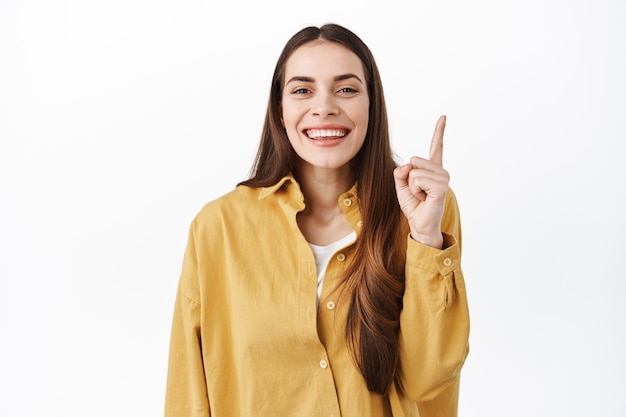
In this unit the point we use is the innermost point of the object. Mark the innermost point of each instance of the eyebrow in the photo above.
(336, 78)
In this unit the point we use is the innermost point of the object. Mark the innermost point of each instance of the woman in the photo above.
(329, 282)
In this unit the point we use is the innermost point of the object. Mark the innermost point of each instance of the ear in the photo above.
(280, 113)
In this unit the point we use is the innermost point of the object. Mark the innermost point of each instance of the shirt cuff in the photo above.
(441, 261)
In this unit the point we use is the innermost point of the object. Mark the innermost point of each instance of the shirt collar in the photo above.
(267, 191)
(351, 192)
(289, 179)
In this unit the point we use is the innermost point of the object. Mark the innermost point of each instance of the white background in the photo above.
(119, 119)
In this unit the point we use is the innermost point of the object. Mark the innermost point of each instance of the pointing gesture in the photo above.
(421, 186)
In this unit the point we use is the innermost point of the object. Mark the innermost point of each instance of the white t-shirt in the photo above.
(323, 255)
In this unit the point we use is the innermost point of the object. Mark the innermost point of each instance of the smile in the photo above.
(326, 133)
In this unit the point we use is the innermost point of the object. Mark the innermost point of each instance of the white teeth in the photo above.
(324, 133)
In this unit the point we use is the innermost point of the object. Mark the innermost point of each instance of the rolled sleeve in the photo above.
(434, 323)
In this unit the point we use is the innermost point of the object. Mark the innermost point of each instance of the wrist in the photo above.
(432, 240)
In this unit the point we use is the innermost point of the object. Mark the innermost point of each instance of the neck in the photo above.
(322, 187)
(322, 220)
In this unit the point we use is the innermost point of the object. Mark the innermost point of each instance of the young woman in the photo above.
(328, 283)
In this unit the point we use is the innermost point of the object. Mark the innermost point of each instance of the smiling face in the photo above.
(325, 104)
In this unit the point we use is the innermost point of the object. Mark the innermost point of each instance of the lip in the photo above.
(326, 134)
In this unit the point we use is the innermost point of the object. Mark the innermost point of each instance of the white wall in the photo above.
(120, 119)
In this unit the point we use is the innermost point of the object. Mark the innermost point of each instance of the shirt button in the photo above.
(447, 262)
(323, 364)
(347, 202)
(341, 257)
(330, 305)
(359, 223)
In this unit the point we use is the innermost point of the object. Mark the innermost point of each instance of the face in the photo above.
(325, 104)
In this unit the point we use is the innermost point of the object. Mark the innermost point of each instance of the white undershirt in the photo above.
(323, 255)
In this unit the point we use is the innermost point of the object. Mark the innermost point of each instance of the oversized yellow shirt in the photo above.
(248, 341)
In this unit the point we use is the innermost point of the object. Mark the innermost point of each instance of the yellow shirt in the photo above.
(248, 341)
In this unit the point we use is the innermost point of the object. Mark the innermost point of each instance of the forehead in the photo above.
(321, 58)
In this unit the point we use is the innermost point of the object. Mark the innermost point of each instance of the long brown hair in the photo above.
(375, 279)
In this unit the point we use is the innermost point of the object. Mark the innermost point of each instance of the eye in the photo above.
(301, 91)
(347, 90)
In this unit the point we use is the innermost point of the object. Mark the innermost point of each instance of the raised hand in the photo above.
(421, 187)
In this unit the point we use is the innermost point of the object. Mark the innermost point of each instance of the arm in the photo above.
(186, 393)
(434, 323)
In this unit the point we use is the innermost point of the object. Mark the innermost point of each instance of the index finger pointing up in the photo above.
(436, 145)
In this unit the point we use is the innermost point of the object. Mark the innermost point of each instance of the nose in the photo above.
(325, 105)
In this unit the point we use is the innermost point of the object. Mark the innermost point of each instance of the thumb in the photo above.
(401, 176)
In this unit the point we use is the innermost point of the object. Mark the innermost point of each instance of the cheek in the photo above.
(287, 117)
(366, 118)
(291, 127)
(291, 122)
(360, 112)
